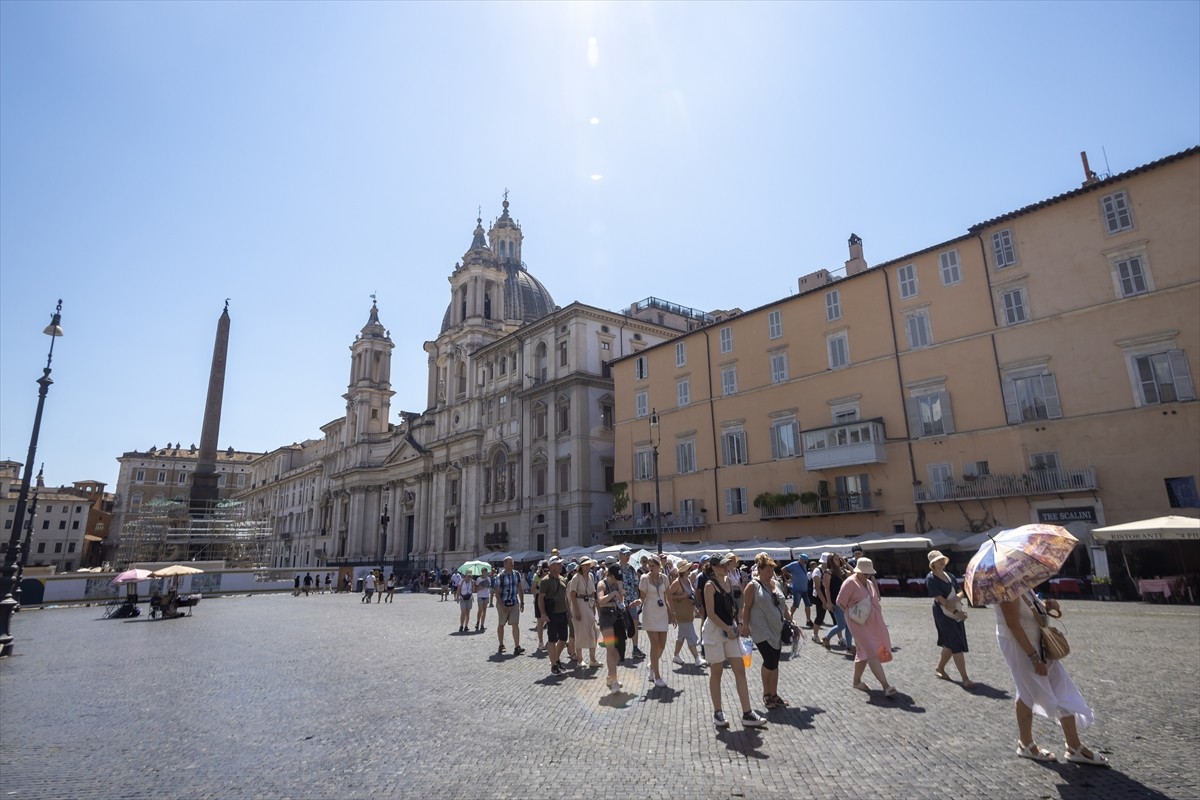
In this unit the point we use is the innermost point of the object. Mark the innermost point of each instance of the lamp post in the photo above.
(384, 519)
(8, 579)
(31, 515)
(655, 441)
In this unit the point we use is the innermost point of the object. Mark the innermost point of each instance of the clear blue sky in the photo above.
(157, 158)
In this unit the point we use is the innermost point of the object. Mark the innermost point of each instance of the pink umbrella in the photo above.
(132, 576)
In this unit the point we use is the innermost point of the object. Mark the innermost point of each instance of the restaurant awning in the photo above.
(1168, 528)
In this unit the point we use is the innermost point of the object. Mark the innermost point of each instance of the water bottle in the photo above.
(747, 649)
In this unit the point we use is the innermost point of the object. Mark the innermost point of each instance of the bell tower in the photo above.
(369, 395)
(505, 236)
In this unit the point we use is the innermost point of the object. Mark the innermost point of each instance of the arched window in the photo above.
(500, 477)
(487, 306)
(460, 378)
(539, 478)
(539, 362)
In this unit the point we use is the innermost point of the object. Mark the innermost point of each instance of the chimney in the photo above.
(814, 279)
(856, 262)
(1089, 177)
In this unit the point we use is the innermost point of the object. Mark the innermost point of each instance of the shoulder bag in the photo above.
(1054, 645)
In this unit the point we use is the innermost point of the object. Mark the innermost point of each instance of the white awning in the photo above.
(1169, 528)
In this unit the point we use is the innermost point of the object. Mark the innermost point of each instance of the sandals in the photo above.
(774, 701)
(862, 687)
(828, 646)
(941, 674)
(1085, 755)
(1032, 751)
(890, 691)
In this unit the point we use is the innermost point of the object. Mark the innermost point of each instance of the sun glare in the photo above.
(593, 52)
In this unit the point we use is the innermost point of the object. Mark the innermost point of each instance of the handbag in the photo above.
(860, 612)
(787, 634)
(1054, 644)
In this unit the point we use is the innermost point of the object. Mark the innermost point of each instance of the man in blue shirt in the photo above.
(798, 570)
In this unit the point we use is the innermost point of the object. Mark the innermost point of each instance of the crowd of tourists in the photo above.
(722, 609)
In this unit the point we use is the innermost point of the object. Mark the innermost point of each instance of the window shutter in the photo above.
(725, 449)
(728, 501)
(1011, 409)
(915, 429)
(1050, 389)
(947, 413)
(1184, 388)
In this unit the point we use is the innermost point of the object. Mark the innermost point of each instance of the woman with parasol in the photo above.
(1004, 572)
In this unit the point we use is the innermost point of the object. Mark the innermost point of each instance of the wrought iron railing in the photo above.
(1034, 482)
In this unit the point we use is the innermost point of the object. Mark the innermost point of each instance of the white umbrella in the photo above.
(175, 570)
(1171, 527)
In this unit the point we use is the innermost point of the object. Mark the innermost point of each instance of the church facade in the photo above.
(514, 450)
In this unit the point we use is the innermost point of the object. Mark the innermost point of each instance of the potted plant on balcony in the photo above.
(766, 501)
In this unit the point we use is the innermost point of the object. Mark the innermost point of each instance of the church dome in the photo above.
(525, 298)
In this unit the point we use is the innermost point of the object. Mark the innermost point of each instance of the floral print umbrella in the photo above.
(1014, 561)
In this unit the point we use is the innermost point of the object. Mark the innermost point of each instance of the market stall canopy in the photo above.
(972, 542)
(749, 550)
(1169, 528)
(897, 543)
(941, 537)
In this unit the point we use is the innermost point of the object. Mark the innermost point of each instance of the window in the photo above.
(733, 447)
(562, 414)
(71, 547)
(41, 547)
(735, 501)
(643, 465)
(916, 325)
(833, 305)
(564, 523)
(852, 492)
(976, 469)
(929, 414)
(1130, 276)
(181, 477)
(1181, 492)
(775, 324)
(683, 392)
(1016, 310)
(503, 406)
(539, 420)
(785, 436)
(844, 413)
(951, 272)
(562, 354)
(1164, 377)
(727, 339)
(1044, 461)
(75, 525)
(728, 380)
(680, 354)
(139, 476)
(1004, 252)
(1029, 397)
(539, 479)
(45, 526)
(503, 365)
(685, 457)
(906, 278)
(62, 524)
(564, 475)
(641, 369)
(641, 404)
(606, 415)
(941, 479)
(1117, 216)
(839, 350)
(779, 367)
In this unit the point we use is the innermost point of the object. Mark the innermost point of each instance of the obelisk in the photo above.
(204, 481)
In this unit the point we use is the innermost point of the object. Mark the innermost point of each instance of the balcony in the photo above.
(845, 445)
(495, 540)
(1026, 484)
(850, 503)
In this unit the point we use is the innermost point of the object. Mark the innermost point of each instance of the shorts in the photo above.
(716, 646)
(556, 627)
(369, 592)
(508, 615)
(483, 601)
(464, 603)
(686, 631)
(609, 618)
(798, 596)
(770, 655)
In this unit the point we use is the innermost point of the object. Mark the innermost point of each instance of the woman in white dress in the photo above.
(657, 615)
(581, 594)
(1043, 687)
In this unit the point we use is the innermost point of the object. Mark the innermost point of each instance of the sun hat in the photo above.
(583, 562)
(865, 567)
(936, 556)
(555, 560)
(728, 558)
(825, 557)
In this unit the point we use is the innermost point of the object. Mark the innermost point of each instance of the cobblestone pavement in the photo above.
(322, 697)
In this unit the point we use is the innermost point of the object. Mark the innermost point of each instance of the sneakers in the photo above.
(555, 668)
(701, 662)
(752, 719)
(719, 720)
(660, 683)
(637, 653)
(613, 687)
(500, 649)
(518, 650)
(679, 660)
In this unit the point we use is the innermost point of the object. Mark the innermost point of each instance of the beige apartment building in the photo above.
(1037, 368)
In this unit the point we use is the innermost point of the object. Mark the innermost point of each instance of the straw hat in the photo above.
(865, 567)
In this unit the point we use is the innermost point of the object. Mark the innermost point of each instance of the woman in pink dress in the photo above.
(870, 637)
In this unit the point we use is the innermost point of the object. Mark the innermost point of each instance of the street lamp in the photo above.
(384, 519)
(8, 578)
(655, 441)
(28, 545)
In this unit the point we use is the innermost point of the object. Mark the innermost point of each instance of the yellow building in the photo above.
(1036, 368)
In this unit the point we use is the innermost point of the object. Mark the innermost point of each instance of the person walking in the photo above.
(391, 586)
(815, 577)
(464, 592)
(764, 613)
(831, 584)
(610, 608)
(296, 586)
(368, 587)
(511, 589)
(657, 616)
(682, 596)
(797, 573)
(633, 603)
(720, 636)
(1043, 686)
(538, 614)
(307, 583)
(581, 593)
(329, 582)
(874, 644)
(552, 593)
(483, 597)
(947, 618)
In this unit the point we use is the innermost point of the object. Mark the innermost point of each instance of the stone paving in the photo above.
(321, 697)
